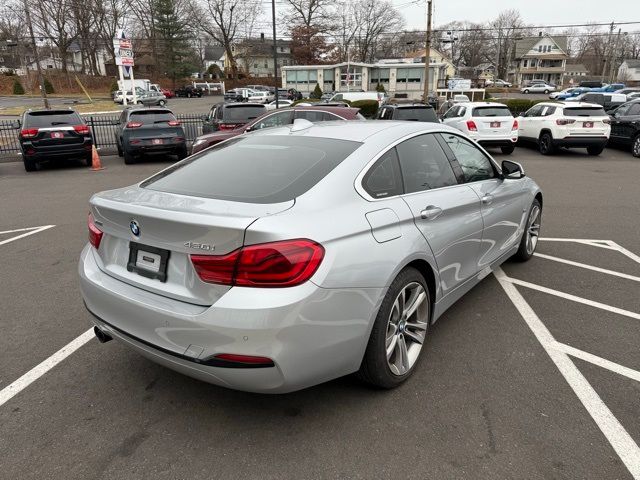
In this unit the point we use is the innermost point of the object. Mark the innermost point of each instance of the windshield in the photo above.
(255, 169)
(491, 112)
(242, 113)
(51, 118)
(149, 117)
(584, 112)
(420, 114)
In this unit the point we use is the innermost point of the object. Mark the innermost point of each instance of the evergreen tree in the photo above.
(317, 92)
(48, 88)
(173, 35)
(18, 89)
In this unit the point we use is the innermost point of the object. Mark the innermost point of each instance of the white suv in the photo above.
(489, 124)
(565, 124)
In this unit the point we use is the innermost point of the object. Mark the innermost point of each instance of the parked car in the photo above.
(53, 135)
(633, 96)
(629, 90)
(538, 88)
(325, 97)
(489, 124)
(564, 93)
(282, 103)
(293, 94)
(149, 131)
(260, 88)
(625, 126)
(120, 95)
(167, 93)
(260, 96)
(528, 83)
(418, 112)
(283, 93)
(498, 83)
(151, 99)
(609, 88)
(276, 119)
(355, 96)
(228, 116)
(573, 93)
(241, 94)
(565, 124)
(607, 100)
(456, 99)
(591, 84)
(188, 91)
(274, 273)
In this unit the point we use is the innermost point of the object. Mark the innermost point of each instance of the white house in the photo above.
(540, 58)
(629, 71)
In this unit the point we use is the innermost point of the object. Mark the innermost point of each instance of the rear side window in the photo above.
(255, 169)
(424, 164)
(149, 117)
(418, 114)
(384, 178)
(491, 112)
(51, 119)
(242, 113)
(583, 112)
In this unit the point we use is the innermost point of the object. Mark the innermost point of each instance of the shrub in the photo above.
(114, 86)
(317, 92)
(487, 95)
(518, 105)
(368, 108)
(18, 89)
(380, 88)
(48, 88)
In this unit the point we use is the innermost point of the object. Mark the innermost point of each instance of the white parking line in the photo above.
(573, 298)
(588, 267)
(39, 370)
(584, 241)
(601, 362)
(30, 231)
(624, 251)
(618, 437)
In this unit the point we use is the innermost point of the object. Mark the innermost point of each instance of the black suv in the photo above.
(53, 135)
(418, 112)
(625, 126)
(188, 91)
(227, 116)
(149, 131)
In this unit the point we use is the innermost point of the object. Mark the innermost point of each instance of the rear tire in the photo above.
(182, 153)
(508, 150)
(88, 159)
(162, 103)
(545, 144)
(129, 159)
(525, 91)
(30, 165)
(546, 92)
(635, 146)
(397, 339)
(595, 150)
(529, 239)
(120, 152)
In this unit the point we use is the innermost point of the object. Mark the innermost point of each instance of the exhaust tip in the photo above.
(101, 335)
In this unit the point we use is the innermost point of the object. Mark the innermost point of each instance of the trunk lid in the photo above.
(174, 226)
(493, 121)
(587, 121)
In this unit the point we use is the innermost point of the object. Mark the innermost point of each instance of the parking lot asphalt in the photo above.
(500, 393)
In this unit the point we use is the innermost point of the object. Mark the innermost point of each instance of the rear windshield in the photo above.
(491, 112)
(584, 112)
(242, 113)
(149, 117)
(255, 169)
(51, 119)
(420, 114)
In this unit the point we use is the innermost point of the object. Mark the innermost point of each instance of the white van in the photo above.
(355, 96)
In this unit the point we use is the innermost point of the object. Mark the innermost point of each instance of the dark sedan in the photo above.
(625, 126)
(279, 118)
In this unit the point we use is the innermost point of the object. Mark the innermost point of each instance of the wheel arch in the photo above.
(426, 270)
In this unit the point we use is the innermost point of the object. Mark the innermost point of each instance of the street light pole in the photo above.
(275, 50)
(427, 54)
(43, 92)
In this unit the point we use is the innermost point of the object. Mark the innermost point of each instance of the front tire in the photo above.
(162, 103)
(546, 92)
(545, 144)
(529, 240)
(526, 91)
(635, 147)
(398, 333)
(508, 150)
(182, 153)
(595, 150)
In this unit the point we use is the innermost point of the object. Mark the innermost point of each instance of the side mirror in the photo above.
(512, 170)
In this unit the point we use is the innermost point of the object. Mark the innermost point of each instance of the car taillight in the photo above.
(174, 123)
(134, 124)
(95, 234)
(227, 126)
(471, 126)
(515, 125)
(29, 132)
(247, 360)
(81, 129)
(278, 264)
(565, 121)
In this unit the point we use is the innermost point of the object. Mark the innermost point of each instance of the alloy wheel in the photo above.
(407, 328)
(533, 229)
(636, 147)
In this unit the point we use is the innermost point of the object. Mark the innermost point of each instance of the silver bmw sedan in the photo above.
(294, 255)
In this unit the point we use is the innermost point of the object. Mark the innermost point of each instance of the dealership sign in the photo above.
(124, 52)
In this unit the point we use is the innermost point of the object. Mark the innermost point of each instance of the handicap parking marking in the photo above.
(588, 267)
(599, 361)
(620, 440)
(28, 231)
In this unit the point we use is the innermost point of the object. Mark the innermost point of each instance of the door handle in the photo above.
(431, 212)
(487, 199)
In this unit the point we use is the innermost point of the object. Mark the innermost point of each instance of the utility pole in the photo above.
(43, 92)
(427, 54)
(275, 51)
(604, 66)
(612, 57)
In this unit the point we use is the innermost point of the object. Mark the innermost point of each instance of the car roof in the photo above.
(407, 105)
(138, 108)
(484, 104)
(355, 130)
(43, 111)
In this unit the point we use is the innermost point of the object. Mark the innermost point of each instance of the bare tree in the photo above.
(373, 18)
(316, 14)
(54, 20)
(507, 28)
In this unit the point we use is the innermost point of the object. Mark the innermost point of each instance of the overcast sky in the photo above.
(537, 12)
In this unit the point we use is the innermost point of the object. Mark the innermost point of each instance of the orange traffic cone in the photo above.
(96, 164)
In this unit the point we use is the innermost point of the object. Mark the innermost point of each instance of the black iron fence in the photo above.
(103, 128)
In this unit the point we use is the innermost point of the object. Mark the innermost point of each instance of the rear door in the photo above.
(501, 200)
(492, 121)
(447, 214)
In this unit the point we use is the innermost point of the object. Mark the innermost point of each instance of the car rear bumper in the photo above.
(57, 152)
(580, 142)
(498, 142)
(312, 334)
(165, 148)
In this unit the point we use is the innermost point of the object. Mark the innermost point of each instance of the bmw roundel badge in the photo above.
(135, 228)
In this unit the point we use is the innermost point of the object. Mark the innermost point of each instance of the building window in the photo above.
(302, 76)
(255, 65)
(351, 77)
(379, 75)
(409, 75)
(266, 65)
